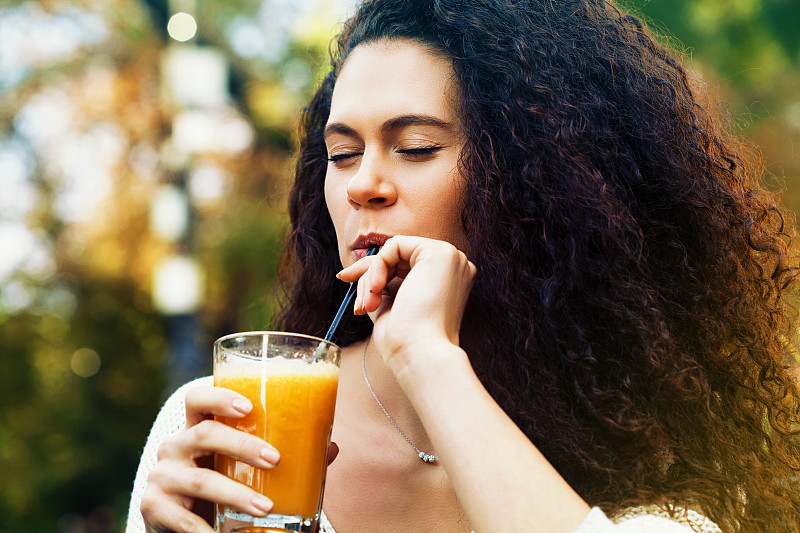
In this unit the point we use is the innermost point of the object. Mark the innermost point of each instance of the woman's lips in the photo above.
(363, 242)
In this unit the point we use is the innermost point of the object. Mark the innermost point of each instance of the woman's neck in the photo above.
(386, 398)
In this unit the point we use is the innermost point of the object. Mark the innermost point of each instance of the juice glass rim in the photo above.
(271, 332)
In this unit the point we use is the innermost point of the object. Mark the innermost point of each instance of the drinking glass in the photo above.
(291, 379)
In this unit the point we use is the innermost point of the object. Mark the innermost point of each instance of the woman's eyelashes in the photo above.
(416, 153)
(419, 152)
(336, 158)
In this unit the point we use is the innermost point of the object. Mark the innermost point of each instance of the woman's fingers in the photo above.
(372, 275)
(376, 284)
(203, 403)
(356, 270)
(333, 452)
(359, 303)
(370, 288)
(205, 484)
(176, 480)
(204, 435)
(164, 505)
(380, 275)
(417, 288)
(208, 437)
(162, 515)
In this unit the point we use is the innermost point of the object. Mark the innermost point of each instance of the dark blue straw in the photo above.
(347, 304)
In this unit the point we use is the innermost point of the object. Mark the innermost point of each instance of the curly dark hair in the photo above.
(619, 230)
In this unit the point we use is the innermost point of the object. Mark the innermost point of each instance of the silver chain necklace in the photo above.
(427, 457)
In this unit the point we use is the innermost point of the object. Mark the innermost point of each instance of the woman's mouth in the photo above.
(363, 242)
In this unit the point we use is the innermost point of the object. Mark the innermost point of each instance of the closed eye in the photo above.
(423, 151)
(341, 157)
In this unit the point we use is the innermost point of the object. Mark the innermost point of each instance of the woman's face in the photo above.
(393, 140)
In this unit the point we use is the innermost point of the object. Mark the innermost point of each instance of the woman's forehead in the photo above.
(394, 77)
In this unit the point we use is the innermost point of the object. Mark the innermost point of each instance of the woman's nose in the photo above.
(372, 185)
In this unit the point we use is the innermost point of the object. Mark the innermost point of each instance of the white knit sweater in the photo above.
(172, 419)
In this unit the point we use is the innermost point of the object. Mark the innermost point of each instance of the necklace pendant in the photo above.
(428, 458)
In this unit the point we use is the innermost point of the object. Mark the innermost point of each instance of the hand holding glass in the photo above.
(291, 380)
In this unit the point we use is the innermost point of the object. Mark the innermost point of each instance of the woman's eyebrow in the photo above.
(414, 120)
(391, 124)
(337, 127)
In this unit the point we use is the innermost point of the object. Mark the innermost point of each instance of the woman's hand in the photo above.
(415, 290)
(184, 479)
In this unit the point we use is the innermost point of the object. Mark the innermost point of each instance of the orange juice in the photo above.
(293, 407)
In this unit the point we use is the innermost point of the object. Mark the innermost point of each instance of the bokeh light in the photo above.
(85, 362)
(182, 27)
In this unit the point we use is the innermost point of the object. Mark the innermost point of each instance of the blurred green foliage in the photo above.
(66, 439)
(748, 54)
(753, 45)
(86, 354)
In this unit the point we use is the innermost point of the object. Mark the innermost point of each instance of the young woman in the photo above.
(580, 307)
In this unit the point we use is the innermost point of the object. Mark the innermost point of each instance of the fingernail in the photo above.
(262, 504)
(339, 274)
(270, 455)
(242, 405)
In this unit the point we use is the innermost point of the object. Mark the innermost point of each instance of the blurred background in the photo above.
(145, 153)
